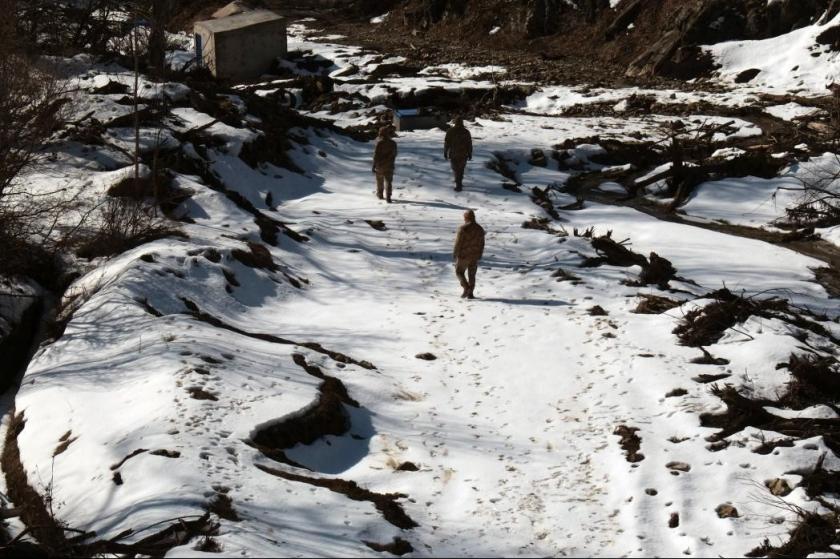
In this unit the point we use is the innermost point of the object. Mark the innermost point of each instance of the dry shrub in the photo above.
(126, 223)
(706, 326)
(32, 104)
(815, 380)
(654, 304)
(813, 533)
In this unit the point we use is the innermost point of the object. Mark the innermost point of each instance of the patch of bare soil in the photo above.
(709, 359)
(326, 416)
(654, 304)
(706, 378)
(630, 442)
(194, 311)
(257, 256)
(376, 224)
(198, 393)
(134, 453)
(386, 503)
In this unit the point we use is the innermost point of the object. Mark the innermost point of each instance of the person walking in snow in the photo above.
(457, 148)
(384, 155)
(469, 248)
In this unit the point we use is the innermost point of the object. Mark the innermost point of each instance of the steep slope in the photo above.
(644, 38)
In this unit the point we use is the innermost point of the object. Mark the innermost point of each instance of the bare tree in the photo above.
(818, 203)
(67, 25)
(30, 107)
(31, 103)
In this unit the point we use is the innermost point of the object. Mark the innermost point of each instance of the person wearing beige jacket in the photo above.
(469, 248)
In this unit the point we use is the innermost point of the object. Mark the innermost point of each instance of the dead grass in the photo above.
(126, 224)
(814, 380)
(64, 443)
(222, 506)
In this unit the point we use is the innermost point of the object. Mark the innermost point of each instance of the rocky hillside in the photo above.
(646, 37)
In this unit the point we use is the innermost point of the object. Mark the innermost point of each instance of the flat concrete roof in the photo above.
(239, 21)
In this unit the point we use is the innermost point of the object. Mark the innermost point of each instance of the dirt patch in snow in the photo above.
(257, 256)
(376, 224)
(709, 359)
(194, 311)
(386, 503)
(397, 546)
(64, 443)
(198, 393)
(222, 506)
(325, 416)
(630, 442)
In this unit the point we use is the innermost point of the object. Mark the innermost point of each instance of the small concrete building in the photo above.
(241, 46)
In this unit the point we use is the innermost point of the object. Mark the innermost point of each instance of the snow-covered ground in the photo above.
(758, 202)
(183, 352)
(793, 63)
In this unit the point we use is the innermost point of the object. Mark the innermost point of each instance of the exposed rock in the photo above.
(678, 466)
(747, 75)
(727, 511)
(674, 520)
(779, 487)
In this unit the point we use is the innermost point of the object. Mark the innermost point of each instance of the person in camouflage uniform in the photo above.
(457, 148)
(469, 248)
(384, 156)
